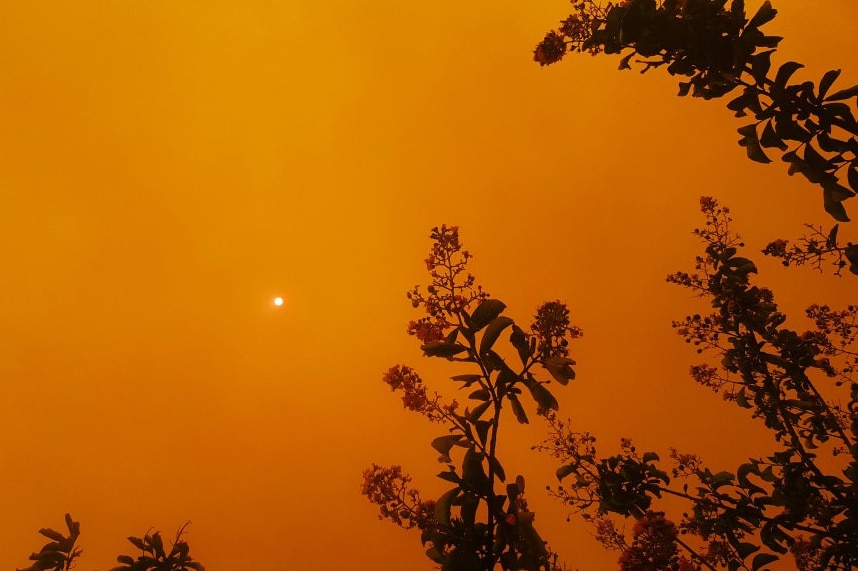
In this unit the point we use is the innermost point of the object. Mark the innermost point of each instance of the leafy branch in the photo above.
(472, 527)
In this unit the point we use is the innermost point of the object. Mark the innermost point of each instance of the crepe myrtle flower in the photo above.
(390, 489)
(415, 397)
(550, 50)
(552, 329)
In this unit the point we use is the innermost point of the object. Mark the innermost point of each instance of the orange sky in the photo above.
(167, 168)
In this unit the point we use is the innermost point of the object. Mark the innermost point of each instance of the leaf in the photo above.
(492, 332)
(478, 411)
(560, 368)
(852, 177)
(156, 542)
(816, 160)
(482, 427)
(518, 410)
(762, 559)
(833, 196)
(442, 349)
(519, 340)
(480, 394)
(785, 72)
(443, 444)
(486, 312)
(52, 534)
(624, 62)
(543, 397)
(764, 15)
(495, 464)
(505, 379)
(831, 241)
(442, 506)
(751, 143)
(684, 87)
(843, 94)
(741, 399)
(473, 472)
(467, 379)
(744, 549)
(770, 138)
(649, 457)
(470, 503)
(450, 476)
(852, 255)
(564, 471)
(826, 81)
(760, 65)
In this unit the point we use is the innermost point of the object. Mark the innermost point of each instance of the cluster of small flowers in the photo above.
(405, 379)
(698, 330)
(841, 324)
(573, 33)
(686, 464)
(552, 330)
(452, 290)
(428, 330)
(654, 545)
(691, 281)
(717, 230)
(388, 487)
(550, 50)
(779, 249)
(708, 376)
(607, 534)
(415, 397)
(566, 444)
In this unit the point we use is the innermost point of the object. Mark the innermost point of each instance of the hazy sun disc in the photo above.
(278, 301)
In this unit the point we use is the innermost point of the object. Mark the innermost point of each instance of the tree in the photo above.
(796, 506)
(720, 51)
(473, 527)
(802, 500)
(61, 552)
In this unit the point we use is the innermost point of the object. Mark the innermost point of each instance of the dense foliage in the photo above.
(798, 503)
(720, 51)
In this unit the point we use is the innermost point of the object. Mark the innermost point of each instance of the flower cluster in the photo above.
(429, 330)
(550, 50)
(606, 533)
(654, 545)
(415, 397)
(451, 291)
(552, 329)
(574, 33)
(686, 464)
(389, 488)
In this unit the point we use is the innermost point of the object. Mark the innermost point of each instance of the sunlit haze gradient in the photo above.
(168, 168)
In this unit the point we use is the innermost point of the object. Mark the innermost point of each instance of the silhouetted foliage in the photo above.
(155, 557)
(61, 552)
(721, 51)
(473, 527)
(801, 500)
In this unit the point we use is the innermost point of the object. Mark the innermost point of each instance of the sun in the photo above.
(278, 301)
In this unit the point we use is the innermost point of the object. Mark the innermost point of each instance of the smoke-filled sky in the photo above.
(168, 167)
